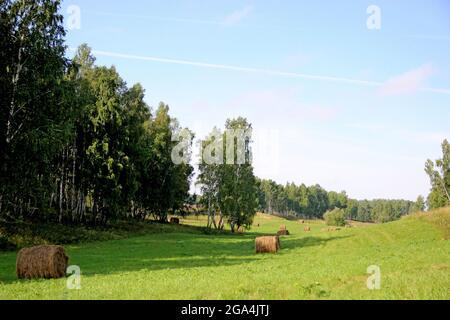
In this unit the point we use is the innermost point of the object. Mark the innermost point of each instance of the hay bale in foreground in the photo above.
(48, 262)
(283, 232)
(174, 220)
(270, 244)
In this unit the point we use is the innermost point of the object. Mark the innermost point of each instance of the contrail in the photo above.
(256, 70)
(234, 68)
(138, 16)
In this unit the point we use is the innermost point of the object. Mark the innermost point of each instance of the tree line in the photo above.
(314, 201)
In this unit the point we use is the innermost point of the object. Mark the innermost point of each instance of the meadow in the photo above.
(185, 263)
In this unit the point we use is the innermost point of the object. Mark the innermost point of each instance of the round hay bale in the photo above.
(283, 232)
(174, 220)
(283, 227)
(307, 229)
(270, 244)
(47, 262)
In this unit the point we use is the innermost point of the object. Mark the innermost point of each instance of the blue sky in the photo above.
(331, 101)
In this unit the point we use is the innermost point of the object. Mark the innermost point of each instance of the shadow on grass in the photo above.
(166, 251)
(309, 241)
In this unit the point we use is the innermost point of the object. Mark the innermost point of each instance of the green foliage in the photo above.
(302, 201)
(439, 173)
(335, 217)
(378, 210)
(15, 235)
(77, 145)
(6, 244)
(419, 205)
(228, 184)
(34, 116)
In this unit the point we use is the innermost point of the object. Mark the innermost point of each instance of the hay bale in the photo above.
(332, 229)
(270, 244)
(48, 262)
(283, 227)
(283, 232)
(307, 229)
(302, 221)
(174, 220)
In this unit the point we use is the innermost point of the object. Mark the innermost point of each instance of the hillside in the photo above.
(413, 254)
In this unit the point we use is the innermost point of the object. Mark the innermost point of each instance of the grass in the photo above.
(185, 263)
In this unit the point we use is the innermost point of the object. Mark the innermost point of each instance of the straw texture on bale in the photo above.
(47, 262)
(307, 229)
(283, 232)
(174, 220)
(270, 244)
(283, 227)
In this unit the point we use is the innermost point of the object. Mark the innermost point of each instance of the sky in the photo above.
(352, 95)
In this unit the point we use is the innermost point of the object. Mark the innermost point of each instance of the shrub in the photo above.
(335, 218)
(5, 244)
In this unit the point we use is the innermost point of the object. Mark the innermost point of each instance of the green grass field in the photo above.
(413, 254)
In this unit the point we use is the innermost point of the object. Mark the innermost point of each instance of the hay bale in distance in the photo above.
(283, 232)
(174, 220)
(332, 229)
(48, 262)
(270, 244)
(307, 229)
(283, 227)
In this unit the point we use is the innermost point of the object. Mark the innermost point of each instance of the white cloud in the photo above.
(237, 16)
(407, 82)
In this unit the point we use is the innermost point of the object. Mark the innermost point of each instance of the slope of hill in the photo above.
(413, 255)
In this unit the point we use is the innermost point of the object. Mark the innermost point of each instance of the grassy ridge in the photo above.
(413, 254)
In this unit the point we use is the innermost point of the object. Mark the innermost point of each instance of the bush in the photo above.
(335, 218)
(6, 245)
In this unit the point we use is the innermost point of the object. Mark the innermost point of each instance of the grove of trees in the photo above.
(226, 176)
(313, 202)
(77, 145)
